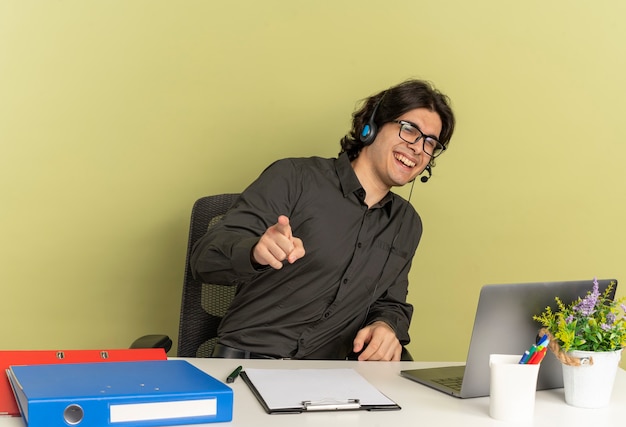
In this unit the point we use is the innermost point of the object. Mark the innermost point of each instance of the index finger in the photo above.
(283, 227)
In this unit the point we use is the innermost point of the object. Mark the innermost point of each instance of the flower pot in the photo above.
(590, 385)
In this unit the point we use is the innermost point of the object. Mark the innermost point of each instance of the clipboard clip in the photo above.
(331, 405)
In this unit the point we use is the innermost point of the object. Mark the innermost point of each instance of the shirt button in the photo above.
(359, 245)
(345, 281)
(326, 315)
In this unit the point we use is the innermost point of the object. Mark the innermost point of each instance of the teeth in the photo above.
(405, 161)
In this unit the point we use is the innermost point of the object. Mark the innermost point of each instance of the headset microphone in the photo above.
(425, 179)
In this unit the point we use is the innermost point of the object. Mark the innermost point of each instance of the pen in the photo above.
(533, 358)
(542, 355)
(533, 349)
(524, 358)
(537, 357)
(231, 378)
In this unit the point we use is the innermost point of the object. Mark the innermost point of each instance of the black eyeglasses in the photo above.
(409, 132)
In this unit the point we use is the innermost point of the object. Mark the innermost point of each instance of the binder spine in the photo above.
(94, 413)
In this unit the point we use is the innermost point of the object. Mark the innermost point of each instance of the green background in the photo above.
(116, 115)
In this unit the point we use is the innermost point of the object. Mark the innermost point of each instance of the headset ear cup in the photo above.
(368, 135)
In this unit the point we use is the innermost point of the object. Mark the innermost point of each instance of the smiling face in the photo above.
(389, 161)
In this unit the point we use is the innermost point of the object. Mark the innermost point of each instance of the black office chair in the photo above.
(203, 305)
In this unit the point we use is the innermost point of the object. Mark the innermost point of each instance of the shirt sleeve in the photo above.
(223, 255)
(393, 309)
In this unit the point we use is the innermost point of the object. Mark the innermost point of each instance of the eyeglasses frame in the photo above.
(422, 136)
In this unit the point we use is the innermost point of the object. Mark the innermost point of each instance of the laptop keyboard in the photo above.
(452, 382)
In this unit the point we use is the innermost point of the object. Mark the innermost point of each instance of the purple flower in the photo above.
(569, 319)
(606, 327)
(610, 318)
(587, 305)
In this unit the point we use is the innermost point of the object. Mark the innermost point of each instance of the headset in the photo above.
(429, 171)
(368, 134)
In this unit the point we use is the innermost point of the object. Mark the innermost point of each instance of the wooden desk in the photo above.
(420, 405)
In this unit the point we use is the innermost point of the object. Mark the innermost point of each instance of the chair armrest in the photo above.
(153, 341)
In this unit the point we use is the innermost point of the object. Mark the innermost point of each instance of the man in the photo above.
(320, 249)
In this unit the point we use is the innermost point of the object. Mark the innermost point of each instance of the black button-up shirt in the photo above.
(354, 271)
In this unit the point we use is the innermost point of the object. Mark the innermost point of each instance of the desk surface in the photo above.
(420, 405)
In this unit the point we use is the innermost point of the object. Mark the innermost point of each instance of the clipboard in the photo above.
(289, 391)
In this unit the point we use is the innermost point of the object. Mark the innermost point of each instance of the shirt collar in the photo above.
(350, 183)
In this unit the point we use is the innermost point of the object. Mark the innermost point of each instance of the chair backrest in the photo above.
(203, 304)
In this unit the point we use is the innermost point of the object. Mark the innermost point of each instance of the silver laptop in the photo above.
(504, 325)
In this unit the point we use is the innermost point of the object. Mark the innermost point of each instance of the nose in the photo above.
(416, 147)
